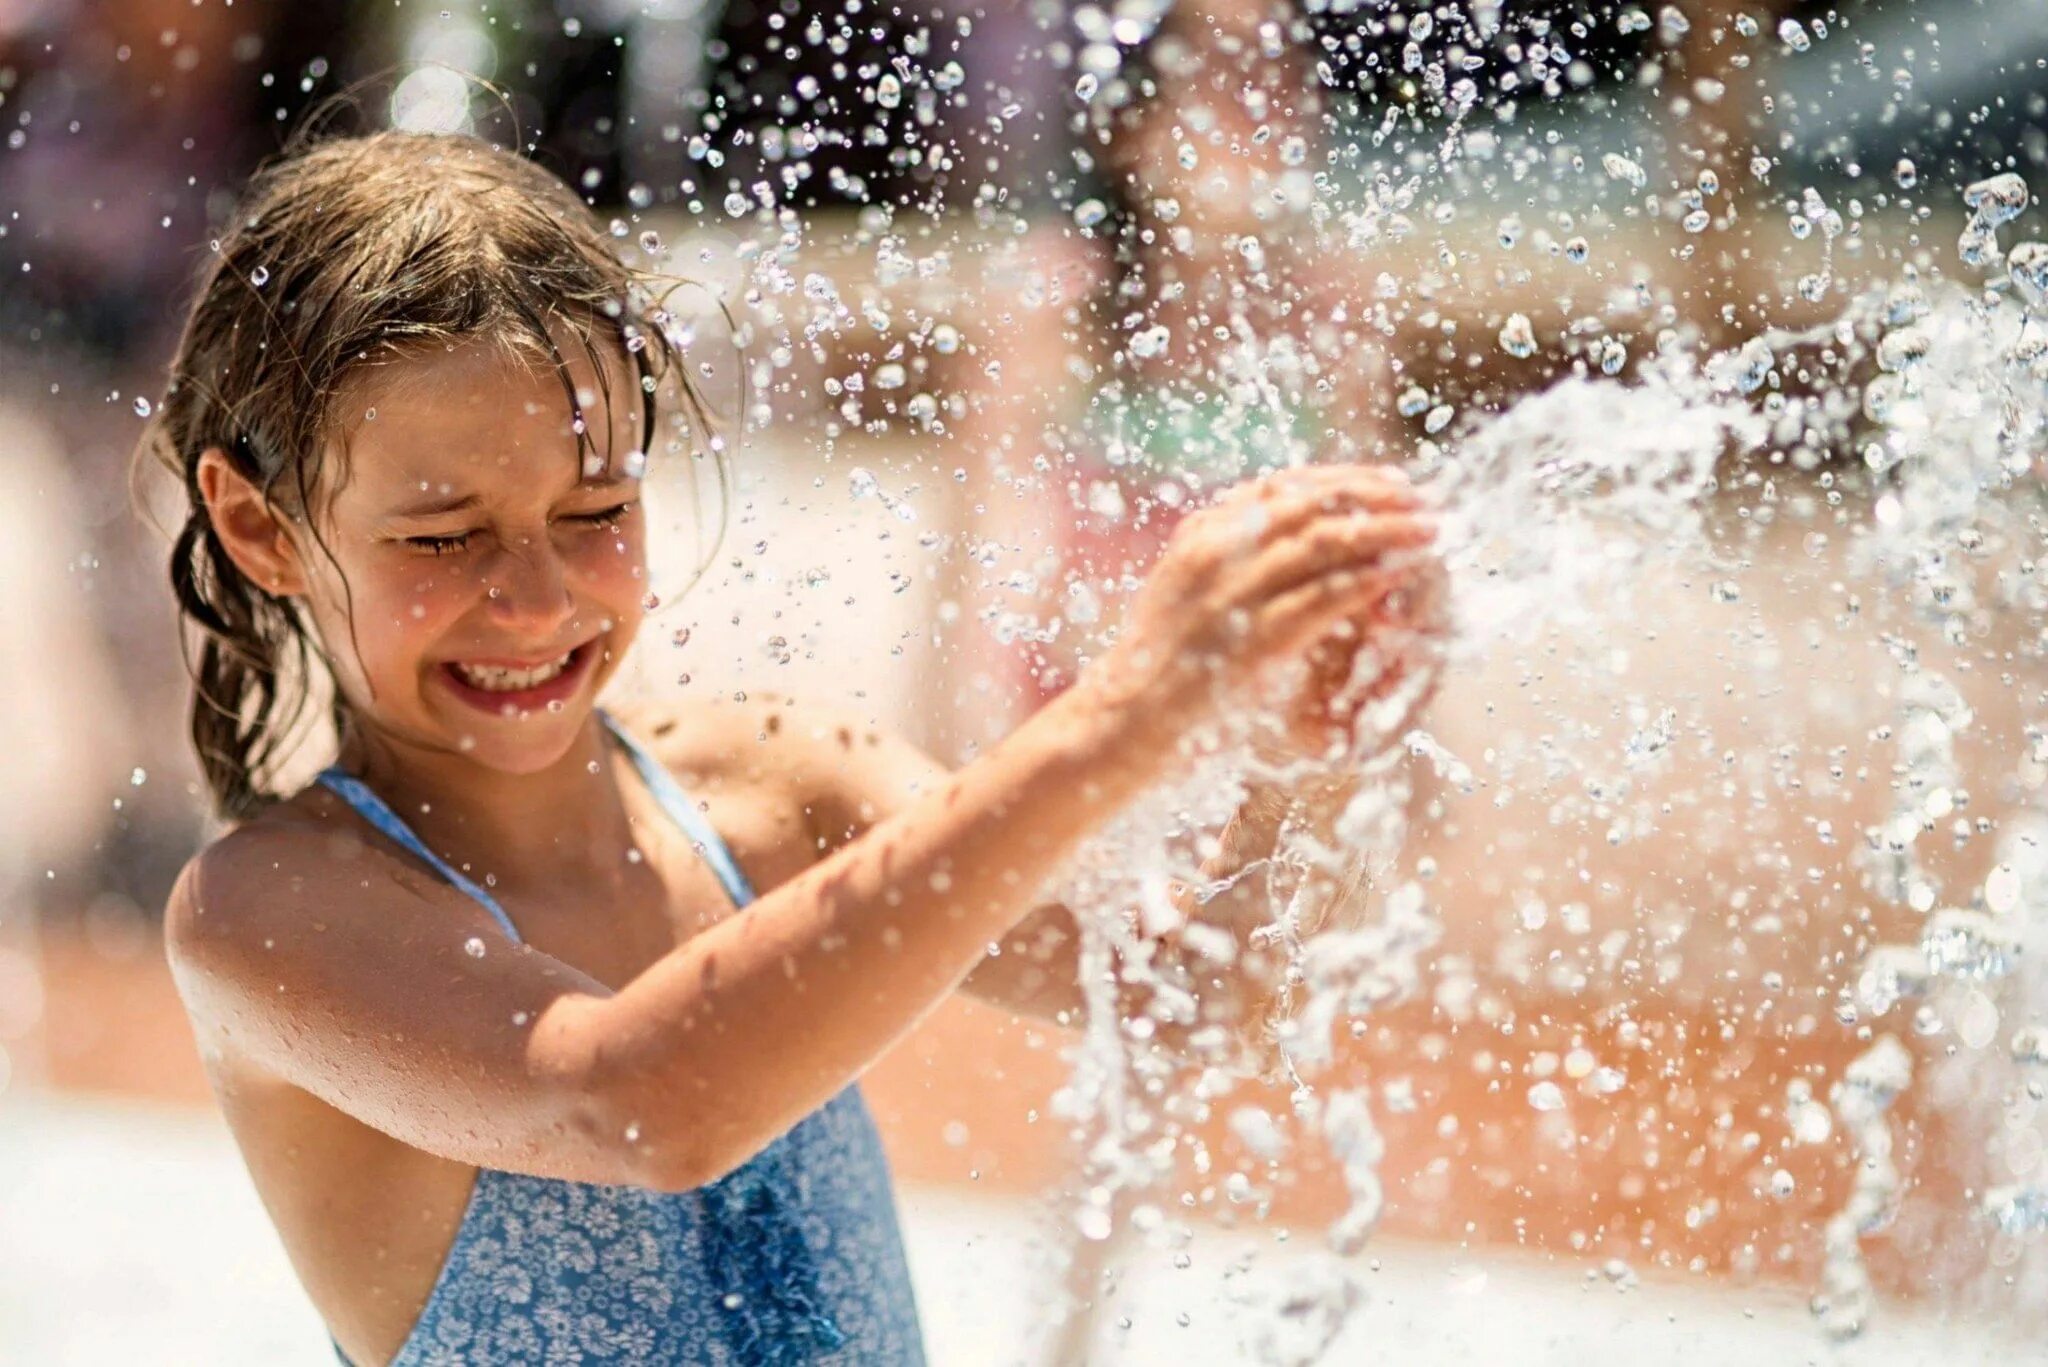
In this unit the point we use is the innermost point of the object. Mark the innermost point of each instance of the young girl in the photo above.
(523, 1067)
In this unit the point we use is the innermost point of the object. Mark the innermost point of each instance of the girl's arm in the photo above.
(1035, 969)
(514, 1060)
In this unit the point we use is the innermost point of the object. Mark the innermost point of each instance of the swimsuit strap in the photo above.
(685, 813)
(668, 794)
(378, 813)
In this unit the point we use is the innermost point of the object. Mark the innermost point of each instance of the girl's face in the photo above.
(486, 578)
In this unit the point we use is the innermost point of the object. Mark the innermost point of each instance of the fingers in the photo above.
(1279, 504)
(1337, 542)
(1293, 619)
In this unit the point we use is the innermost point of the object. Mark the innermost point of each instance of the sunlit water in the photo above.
(1844, 470)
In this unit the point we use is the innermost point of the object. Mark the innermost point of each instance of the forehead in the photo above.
(481, 416)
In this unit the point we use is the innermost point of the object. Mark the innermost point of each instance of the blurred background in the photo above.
(977, 191)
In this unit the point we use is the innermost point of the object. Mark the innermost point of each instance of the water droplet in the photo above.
(2020, 1209)
(1518, 337)
(260, 276)
(1969, 944)
(1809, 1122)
(1151, 342)
(1546, 1096)
(1998, 199)
(889, 91)
(473, 947)
(1624, 169)
(2002, 889)
(1905, 175)
(1903, 348)
(1889, 975)
(1976, 245)
(1793, 34)
(142, 408)
(2027, 265)
(1090, 212)
(1751, 366)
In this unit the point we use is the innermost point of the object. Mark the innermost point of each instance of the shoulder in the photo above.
(835, 761)
(246, 867)
(266, 876)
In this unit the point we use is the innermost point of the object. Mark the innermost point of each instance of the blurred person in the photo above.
(940, 128)
(498, 987)
(132, 116)
(69, 742)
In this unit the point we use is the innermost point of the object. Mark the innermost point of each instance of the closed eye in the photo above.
(606, 517)
(453, 542)
(440, 545)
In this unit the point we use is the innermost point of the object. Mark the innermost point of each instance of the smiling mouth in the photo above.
(500, 688)
(500, 679)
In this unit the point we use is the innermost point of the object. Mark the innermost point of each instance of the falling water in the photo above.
(1888, 407)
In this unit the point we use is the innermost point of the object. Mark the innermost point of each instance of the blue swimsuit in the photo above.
(795, 1257)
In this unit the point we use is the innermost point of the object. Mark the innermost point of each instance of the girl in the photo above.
(522, 1067)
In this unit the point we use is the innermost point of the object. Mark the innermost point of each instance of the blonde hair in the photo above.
(343, 254)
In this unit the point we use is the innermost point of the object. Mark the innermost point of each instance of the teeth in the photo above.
(492, 679)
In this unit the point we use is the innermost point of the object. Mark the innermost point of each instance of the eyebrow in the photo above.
(443, 504)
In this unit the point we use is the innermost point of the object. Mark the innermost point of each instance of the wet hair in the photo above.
(342, 255)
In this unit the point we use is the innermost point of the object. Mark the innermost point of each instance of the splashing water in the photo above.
(1879, 436)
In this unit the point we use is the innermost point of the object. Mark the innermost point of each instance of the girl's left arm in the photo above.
(859, 776)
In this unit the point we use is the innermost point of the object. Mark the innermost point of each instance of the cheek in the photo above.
(398, 610)
(611, 570)
(414, 602)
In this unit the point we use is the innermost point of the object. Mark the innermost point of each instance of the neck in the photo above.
(567, 819)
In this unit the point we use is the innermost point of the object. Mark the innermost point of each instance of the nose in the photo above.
(528, 587)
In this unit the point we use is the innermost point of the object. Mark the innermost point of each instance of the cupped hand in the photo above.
(1264, 577)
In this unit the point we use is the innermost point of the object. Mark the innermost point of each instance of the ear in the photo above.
(253, 531)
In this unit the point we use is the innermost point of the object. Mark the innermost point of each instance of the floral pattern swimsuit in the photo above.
(795, 1257)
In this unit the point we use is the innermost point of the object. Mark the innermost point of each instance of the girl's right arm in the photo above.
(303, 958)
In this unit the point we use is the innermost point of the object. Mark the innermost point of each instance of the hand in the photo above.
(1388, 651)
(1253, 580)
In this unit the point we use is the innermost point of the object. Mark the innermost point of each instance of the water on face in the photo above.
(1739, 751)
